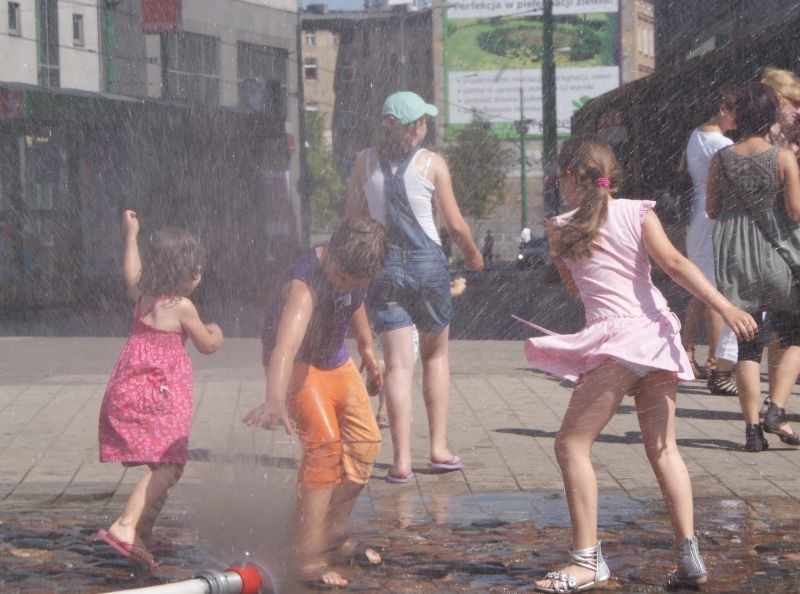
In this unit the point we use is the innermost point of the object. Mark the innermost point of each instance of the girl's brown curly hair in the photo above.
(171, 260)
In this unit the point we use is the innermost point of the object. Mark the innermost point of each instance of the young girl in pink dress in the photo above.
(630, 345)
(147, 408)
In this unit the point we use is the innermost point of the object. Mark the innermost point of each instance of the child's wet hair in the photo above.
(171, 260)
(588, 159)
(359, 246)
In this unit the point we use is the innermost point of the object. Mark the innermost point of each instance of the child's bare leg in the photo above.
(433, 349)
(343, 500)
(399, 358)
(312, 540)
(163, 478)
(381, 414)
(692, 323)
(655, 407)
(593, 403)
(135, 524)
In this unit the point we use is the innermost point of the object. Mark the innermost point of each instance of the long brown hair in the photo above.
(392, 138)
(587, 159)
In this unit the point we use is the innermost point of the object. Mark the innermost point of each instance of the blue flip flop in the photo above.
(453, 464)
(390, 478)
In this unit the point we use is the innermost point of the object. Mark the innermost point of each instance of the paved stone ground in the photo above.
(503, 420)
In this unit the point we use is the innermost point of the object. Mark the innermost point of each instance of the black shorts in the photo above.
(785, 324)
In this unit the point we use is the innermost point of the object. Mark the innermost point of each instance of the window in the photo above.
(262, 78)
(311, 38)
(310, 68)
(47, 43)
(77, 29)
(347, 69)
(14, 24)
(193, 67)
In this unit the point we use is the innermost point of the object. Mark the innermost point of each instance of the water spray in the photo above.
(249, 579)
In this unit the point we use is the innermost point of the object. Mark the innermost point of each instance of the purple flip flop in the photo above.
(453, 464)
(400, 480)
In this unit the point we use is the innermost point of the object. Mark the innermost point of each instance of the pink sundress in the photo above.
(627, 317)
(146, 412)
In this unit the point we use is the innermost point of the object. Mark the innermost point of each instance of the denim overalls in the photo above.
(414, 285)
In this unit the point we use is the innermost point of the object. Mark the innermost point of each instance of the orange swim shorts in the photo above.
(331, 411)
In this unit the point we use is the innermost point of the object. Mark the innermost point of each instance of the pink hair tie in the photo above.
(603, 182)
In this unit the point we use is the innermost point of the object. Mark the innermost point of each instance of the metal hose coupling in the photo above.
(235, 580)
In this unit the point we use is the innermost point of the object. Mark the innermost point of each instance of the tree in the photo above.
(479, 163)
(327, 189)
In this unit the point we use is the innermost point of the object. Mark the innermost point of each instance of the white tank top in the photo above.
(418, 188)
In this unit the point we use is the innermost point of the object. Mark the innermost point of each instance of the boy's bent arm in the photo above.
(362, 333)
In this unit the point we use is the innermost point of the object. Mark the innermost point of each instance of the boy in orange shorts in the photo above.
(314, 387)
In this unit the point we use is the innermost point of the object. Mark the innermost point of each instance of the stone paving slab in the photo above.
(503, 420)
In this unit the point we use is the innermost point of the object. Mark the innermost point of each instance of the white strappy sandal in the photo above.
(592, 559)
(691, 570)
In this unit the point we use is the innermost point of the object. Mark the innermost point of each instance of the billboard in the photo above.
(493, 52)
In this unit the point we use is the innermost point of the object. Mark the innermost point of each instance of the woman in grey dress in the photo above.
(754, 195)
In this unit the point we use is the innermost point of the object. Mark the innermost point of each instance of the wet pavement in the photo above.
(749, 547)
(493, 527)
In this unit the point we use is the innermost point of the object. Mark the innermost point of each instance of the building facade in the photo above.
(368, 56)
(686, 28)
(185, 111)
(51, 43)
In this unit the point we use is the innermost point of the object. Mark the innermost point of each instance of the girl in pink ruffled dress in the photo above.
(630, 345)
(147, 408)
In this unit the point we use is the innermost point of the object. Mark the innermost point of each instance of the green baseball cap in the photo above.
(407, 107)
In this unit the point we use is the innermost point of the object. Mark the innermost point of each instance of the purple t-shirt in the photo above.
(323, 345)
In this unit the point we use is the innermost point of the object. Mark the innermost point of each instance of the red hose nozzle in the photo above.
(251, 579)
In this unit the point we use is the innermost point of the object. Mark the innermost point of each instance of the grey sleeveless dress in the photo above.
(749, 270)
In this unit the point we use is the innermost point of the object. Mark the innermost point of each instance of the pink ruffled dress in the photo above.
(627, 317)
(146, 412)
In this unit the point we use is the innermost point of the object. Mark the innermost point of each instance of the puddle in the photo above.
(482, 543)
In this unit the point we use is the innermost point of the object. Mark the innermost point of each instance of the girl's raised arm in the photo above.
(131, 260)
(689, 276)
(453, 220)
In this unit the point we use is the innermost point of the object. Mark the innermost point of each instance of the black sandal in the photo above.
(754, 440)
(773, 421)
(722, 383)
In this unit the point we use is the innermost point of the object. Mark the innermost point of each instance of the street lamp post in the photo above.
(522, 129)
(549, 128)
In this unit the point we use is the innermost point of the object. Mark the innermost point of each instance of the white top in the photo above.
(702, 146)
(418, 188)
